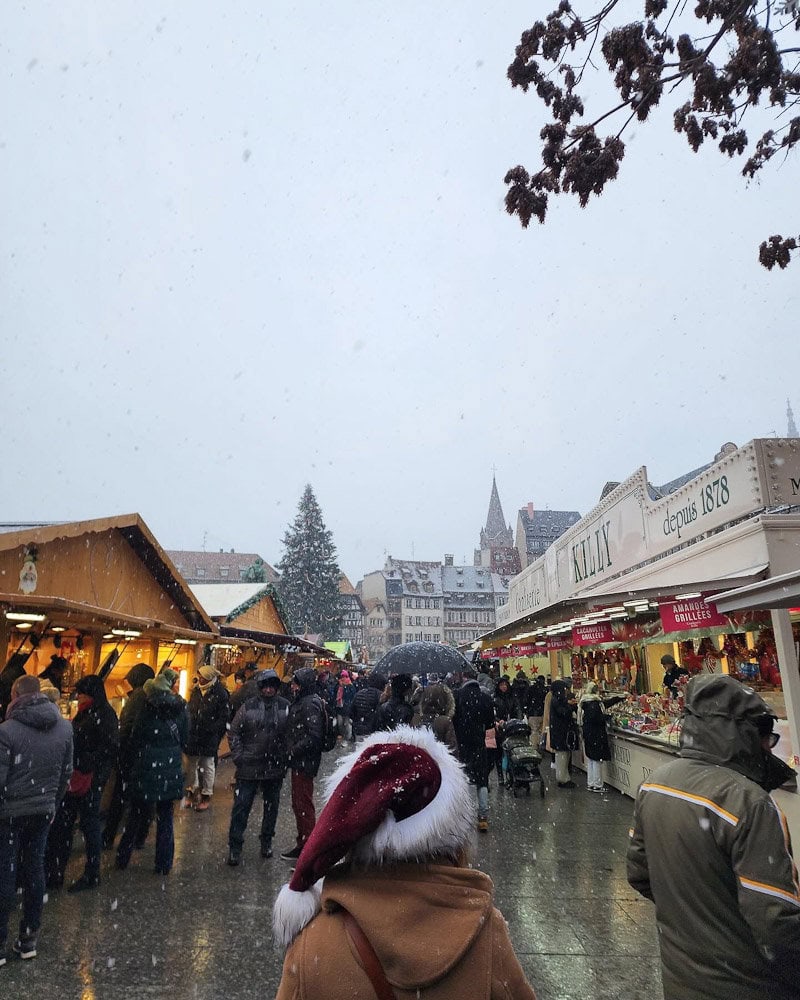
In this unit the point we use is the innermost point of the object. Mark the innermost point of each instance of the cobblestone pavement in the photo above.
(203, 932)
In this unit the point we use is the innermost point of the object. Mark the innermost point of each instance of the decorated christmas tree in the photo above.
(309, 584)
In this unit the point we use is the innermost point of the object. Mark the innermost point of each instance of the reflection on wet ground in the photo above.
(204, 931)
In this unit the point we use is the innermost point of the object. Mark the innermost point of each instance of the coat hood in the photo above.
(138, 674)
(408, 937)
(35, 711)
(720, 724)
(306, 680)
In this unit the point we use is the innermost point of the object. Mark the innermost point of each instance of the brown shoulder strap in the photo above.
(371, 962)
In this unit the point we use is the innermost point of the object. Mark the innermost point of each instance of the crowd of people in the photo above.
(400, 810)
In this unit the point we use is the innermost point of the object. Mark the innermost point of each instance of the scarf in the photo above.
(584, 698)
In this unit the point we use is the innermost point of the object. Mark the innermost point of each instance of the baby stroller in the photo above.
(523, 760)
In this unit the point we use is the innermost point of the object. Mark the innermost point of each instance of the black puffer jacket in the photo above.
(709, 847)
(534, 700)
(365, 705)
(95, 731)
(208, 718)
(393, 713)
(35, 758)
(474, 715)
(306, 726)
(505, 703)
(257, 738)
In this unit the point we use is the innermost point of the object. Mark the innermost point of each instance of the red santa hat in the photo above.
(401, 796)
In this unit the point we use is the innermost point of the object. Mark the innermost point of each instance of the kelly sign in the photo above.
(680, 616)
(523, 649)
(554, 644)
(592, 635)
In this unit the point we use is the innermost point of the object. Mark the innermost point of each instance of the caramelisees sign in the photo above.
(592, 635)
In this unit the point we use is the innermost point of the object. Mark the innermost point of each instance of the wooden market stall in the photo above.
(252, 626)
(100, 594)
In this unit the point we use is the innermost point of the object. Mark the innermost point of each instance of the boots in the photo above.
(203, 804)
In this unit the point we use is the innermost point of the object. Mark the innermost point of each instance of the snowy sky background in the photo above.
(242, 249)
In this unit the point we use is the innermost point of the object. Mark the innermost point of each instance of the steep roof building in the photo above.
(222, 567)
(538, 529)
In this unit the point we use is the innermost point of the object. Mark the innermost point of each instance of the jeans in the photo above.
(243, 798)
(303, 805)
(483, 802)
(23, 840)
(139, 815)
(476, 764)
(86, 809)
(344, 726)
(200, 772)
(116, 811)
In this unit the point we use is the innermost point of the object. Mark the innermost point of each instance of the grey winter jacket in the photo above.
(257, 738)
(711, 849)
(35, 757)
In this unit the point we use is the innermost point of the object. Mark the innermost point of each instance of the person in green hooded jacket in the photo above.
(711, 848)
(156, 745)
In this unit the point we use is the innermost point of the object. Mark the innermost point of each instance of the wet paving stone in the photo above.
(203, 932)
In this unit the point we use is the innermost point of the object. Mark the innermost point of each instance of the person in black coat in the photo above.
(474, 715)
(134, 703)
(246, 687)
(533, 708)
(365, 705)
(563, 731)
(592, 720)
(519, 688)
(95, 744)
(505, 707)
(208, 718)
(397, 711)
(55, 672)
(306, 729)
(258, 747)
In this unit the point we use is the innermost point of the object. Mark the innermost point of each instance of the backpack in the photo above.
(328, 729)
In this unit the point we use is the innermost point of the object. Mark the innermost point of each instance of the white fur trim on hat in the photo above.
(444, 826)
(293, 910)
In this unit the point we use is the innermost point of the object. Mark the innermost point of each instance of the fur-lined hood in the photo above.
(437, 699)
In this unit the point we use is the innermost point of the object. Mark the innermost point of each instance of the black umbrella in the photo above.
(421, 658)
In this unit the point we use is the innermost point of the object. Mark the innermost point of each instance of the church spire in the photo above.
(496, 532)
(792, 426)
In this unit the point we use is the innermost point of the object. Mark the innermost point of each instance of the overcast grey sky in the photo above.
(243, 249)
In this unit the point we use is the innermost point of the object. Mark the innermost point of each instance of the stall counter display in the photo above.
(652, 717)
